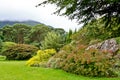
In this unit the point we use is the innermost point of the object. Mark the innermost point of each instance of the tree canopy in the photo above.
(87, 10)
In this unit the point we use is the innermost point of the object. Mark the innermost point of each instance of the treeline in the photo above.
(41, 36)
(25, 34)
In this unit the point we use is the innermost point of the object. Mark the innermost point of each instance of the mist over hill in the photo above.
(27, 22)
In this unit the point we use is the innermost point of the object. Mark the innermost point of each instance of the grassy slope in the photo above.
(16, 70)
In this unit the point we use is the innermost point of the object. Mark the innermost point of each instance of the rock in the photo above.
(107, 45)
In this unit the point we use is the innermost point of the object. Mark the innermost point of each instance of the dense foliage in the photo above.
(25, 34)
(41, 56)
(5, 46)
(1, 43)
(87, 10)
(15, 33)
(53, 40)
(80, 61)
(37, 34)
(96, 31)
(19, 52)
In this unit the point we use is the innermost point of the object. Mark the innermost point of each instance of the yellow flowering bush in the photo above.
(34, 61)
(41, 56)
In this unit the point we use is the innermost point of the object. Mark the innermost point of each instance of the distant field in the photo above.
(17, 70)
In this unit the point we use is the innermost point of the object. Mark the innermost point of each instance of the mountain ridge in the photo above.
(10, 22)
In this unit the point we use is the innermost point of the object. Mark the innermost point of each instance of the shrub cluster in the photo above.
(1, 43)
(41, 56)
(2, 57)
(85, 62)
(6, 45)
(19, 52)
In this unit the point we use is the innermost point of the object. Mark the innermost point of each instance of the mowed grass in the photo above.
(17, 70)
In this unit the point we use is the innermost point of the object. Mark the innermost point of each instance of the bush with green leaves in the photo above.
(6, 45)
(96, 30)
(117, 64)
(91, 62)
(41, 57)
(2, 58)
(53, 40)
(117, 40)
(19, 52)
(1, 43)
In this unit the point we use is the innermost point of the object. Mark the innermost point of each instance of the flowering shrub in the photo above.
(91, 62)
(57, 59)
(42, 56)
(53, 62)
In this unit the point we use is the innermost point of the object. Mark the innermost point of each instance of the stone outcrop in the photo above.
(109, 45)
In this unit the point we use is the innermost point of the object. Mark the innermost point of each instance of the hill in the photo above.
(28, 22)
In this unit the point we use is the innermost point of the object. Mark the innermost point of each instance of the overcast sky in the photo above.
(26, 10)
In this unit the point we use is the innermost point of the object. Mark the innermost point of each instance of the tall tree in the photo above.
(87, 10)
(6, 32)
(53, 40)
(20, 32)
(16, 33)
(37, 34)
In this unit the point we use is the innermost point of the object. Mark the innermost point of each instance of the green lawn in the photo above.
(17, 70)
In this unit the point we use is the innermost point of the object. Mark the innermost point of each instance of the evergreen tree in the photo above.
(53, 40)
